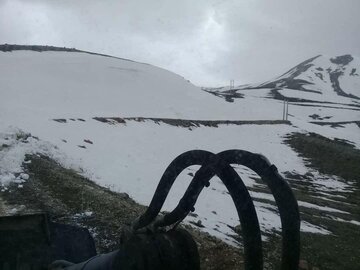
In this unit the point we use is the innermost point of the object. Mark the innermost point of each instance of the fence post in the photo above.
(287, 110)
(283, 110)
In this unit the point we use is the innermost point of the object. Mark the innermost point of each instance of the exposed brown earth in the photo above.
(68, 196)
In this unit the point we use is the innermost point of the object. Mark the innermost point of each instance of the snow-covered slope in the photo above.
(332, 77)
(71, 83)
(83, 91)
(322, 90)
(321, 78)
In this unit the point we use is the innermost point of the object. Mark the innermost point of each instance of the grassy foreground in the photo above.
(341, 249)
(69, 198)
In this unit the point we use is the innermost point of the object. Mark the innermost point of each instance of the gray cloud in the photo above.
(208, 42)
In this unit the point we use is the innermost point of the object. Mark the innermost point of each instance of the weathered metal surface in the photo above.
(211, 165)
(216, 164)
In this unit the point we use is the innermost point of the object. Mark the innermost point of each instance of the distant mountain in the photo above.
(330, 77)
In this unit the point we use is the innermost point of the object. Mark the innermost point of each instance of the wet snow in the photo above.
(131, 157)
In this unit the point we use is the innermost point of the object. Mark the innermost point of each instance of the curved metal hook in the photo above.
(284, 197)
(242, 200)
(181, 162)
(212, 165)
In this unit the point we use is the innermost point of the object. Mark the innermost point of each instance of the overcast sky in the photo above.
(206, 41)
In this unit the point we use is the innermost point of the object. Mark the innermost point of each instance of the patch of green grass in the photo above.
(341, 249)
(328, 156)
(63, 193)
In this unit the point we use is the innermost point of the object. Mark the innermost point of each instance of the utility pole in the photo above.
(284, 110)
(287, 110)
(232, 84)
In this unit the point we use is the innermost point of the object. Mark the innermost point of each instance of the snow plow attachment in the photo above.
(154, 241)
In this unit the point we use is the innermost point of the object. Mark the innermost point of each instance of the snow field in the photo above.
(36, 88)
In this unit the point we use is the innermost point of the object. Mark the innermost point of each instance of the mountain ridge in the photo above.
(47, 48)
(336, 79)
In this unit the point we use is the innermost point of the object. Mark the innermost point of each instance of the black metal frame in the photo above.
(219, 164)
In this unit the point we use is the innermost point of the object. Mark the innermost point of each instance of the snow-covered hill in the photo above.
(331, 77)
(83, 110)
(322, 78)
(321, 90)
(81, 84)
